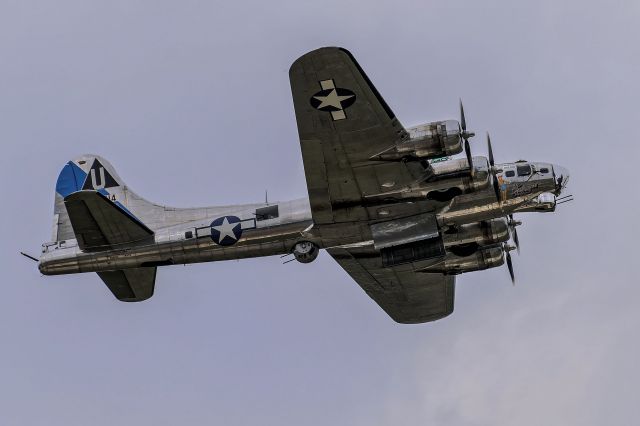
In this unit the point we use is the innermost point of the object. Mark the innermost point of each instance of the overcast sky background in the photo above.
(190, 101)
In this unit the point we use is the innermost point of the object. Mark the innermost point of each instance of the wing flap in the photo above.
(100, 224)
(407, 296)
(130, 285)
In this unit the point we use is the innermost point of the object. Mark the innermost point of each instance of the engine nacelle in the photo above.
(450, 179)
(431, 140)
(305, 251)
(484, 258)
(465, 239)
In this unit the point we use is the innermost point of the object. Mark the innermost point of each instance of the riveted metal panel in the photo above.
(404, 231)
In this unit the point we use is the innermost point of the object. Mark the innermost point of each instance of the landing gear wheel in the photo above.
(305, 251)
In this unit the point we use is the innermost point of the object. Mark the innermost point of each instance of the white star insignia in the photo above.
(332, 99)
(226, 229)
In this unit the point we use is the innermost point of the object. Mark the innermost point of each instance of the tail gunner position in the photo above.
(384, 201)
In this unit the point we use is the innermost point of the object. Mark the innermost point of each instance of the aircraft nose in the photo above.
(562, 176)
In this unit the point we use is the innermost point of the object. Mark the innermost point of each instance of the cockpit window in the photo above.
(510, 173)
(524, 170)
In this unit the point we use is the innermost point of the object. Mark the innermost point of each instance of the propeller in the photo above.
(465, 134)
(496, 186)
(559, 184)
(492, 162)
(512, 223)
(507, 253)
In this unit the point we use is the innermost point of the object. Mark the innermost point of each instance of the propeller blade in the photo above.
(559, 184)
(516, 241)
(510, 266)
(496, 187)
(467, 151)
(464, 134)
(491, 162)
(514, 231)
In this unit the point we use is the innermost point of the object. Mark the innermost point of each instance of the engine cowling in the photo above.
(450, 179)
(466, 239)
(431, 140)
(484, 258)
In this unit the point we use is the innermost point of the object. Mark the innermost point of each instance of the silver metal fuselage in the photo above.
(191, 241)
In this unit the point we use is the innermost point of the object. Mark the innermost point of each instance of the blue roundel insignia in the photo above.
(226, 230)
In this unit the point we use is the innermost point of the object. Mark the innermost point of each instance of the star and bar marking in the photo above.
(333, 99)
(226, 230)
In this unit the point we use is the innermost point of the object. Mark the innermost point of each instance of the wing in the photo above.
(100, 224)
(409, 297)
(130, 285)
(342, 123)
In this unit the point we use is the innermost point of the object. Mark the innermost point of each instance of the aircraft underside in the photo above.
(387, 203)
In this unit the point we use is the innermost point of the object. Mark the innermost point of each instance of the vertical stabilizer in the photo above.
(91, 172)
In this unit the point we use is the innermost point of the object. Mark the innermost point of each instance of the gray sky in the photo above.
(190, 101)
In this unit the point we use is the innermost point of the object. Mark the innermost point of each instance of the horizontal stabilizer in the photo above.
(130, 285)
(100, 224)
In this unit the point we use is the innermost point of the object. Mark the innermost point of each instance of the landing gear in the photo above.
(305, 251)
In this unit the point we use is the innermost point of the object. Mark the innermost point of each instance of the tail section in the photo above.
(91, 172)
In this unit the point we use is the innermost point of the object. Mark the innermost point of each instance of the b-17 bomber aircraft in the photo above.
(385, 201)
